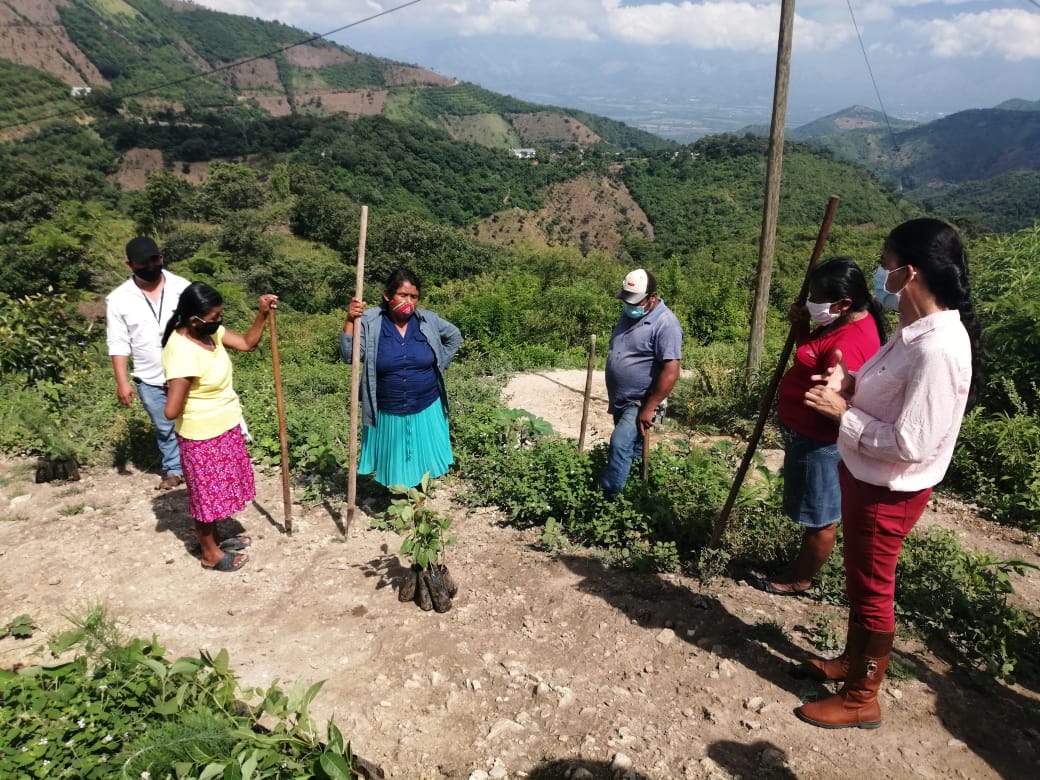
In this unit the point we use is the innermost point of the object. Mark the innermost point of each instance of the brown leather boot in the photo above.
(856, 704)
(837, 668)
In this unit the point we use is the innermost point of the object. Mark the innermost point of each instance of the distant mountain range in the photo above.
(981, 162)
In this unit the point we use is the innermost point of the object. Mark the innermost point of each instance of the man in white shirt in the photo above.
(137, 313)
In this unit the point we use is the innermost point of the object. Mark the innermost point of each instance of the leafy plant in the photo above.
(961, 596)
(552, 536)
(31, 413)
(998, 460)
(423, 528)
(20, 627)
(827, 633)
(768, 631)
(120, 708)
(40, 339)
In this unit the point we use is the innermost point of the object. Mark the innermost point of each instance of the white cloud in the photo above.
(740, 26)
(723, 25)
(1013, 34)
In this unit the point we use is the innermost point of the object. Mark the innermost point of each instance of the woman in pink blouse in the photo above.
(899, 417)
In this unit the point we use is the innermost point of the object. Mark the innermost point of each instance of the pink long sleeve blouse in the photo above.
(908, 405)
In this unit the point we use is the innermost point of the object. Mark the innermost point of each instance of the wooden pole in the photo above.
(774, 167)
(355, 375)
(646, 455)
(767, 401)
(588, 392)
(283, 438)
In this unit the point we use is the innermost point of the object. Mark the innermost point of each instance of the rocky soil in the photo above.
(546, 667)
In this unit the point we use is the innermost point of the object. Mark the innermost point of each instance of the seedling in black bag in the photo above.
(425, 538)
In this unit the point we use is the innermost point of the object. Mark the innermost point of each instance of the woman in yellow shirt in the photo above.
(201, 399)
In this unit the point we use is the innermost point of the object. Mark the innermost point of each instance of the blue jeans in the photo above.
(625, 443)
(153, 399)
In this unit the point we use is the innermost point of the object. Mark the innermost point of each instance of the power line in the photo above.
(228, 66)
(873, 81)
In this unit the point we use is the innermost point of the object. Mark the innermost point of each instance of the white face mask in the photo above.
(821, 313)
(890, 300)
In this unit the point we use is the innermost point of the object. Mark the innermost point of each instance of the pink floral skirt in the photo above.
(218, 475)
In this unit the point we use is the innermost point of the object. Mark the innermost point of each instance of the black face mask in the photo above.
(204, 328)
(150, 273)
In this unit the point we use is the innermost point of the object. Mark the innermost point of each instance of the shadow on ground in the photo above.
(580, 769)
(997, 723)
(702, 620)
(171, 516)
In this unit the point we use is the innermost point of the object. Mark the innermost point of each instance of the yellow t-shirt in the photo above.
(212, 406)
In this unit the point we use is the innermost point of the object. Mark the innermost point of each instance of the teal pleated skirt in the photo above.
(401, 448)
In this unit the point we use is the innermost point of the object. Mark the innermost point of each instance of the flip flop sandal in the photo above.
(768, 587)
(235, 543)
(228, 562)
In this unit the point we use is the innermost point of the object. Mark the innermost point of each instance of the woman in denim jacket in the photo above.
(404, 403)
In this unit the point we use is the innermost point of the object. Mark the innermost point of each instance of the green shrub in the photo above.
(536, 478)
(961, 596)
(120, 708)
(997, 461)
(1006, 283)
(715, 391)
(40, 337)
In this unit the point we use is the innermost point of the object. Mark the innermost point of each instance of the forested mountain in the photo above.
(852, 118)
(151, 58)
(1017, 104)
(980, 165)
(178, 91)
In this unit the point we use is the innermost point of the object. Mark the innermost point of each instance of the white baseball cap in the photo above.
(636, 286)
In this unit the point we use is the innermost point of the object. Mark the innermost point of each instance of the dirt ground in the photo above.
(546, 667)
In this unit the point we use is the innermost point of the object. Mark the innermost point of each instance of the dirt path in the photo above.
(544, 667)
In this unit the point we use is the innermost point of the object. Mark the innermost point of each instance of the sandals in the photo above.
(235, 543)
(231, 561)
(765, 585)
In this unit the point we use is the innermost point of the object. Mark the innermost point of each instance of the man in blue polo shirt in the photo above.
(642, 366)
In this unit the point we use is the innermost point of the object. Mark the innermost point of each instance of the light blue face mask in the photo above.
(632, 311)
(890, 300)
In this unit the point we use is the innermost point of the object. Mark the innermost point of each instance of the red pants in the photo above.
(875, 521)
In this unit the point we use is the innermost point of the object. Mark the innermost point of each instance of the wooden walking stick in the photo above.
(722, 521)
(283, 438)
(355, 374)
(588, 392)
(646, 455)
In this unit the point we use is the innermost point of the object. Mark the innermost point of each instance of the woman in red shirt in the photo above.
(846, 318)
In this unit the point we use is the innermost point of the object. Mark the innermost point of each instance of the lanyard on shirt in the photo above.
(156, 314)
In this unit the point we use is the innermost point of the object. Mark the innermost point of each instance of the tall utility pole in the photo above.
(775, 164)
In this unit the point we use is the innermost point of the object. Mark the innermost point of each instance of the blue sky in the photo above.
(649, 58)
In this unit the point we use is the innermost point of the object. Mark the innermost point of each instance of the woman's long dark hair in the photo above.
(935, 249)
(197, 300)
(839, 277)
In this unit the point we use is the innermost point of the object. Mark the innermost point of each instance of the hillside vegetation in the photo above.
(151, 57)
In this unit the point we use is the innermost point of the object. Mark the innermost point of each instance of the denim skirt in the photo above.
(812, 495)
